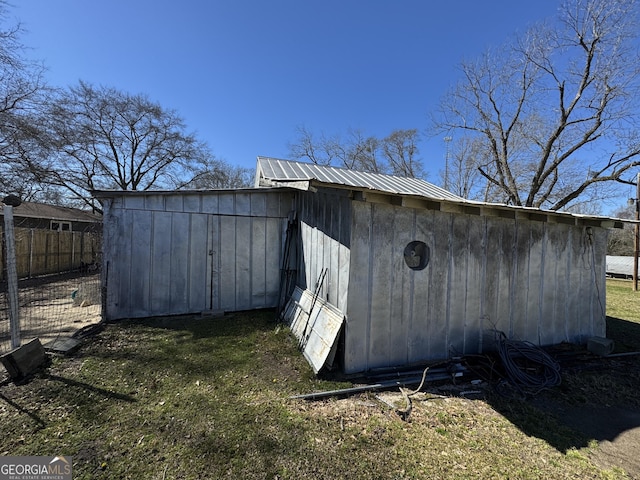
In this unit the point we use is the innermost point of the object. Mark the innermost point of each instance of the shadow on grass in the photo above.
(591, 404)
(90, 388)
(624, 333)
(38, 421)
(188, 345)
(65, 392)
(235, 324)
(567, 417)
(565, 426)
(597, 399)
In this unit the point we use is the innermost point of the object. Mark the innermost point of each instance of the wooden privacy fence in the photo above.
(43, 252)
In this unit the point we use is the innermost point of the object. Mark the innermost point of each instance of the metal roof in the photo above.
(273, 170)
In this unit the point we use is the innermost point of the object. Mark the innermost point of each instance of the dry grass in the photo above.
(192, 399)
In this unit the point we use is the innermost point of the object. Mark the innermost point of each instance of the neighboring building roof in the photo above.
(273, 171)
(54, 212)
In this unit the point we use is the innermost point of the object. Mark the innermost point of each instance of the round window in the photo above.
(416, 255)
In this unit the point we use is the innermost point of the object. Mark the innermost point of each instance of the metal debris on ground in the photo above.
(405, 412)
(392, 380)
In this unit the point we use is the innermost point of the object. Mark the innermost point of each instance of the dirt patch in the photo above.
(53, 307)
(615, 428)
(618, 433)
(598, 400)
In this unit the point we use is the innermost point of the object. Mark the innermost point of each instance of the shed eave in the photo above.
(470, 207)
(142, 193)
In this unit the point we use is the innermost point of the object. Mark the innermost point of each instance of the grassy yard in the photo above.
(623, 310)
(194, 398)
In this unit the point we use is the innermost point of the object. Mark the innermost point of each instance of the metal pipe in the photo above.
(376, 386)
(623, 354)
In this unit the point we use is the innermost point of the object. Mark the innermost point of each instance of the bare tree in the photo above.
(562, 100)
(22, 95)
(319, 151)
(462, 176)
(395, 154)
(621, 240)
(102, 138)
(359, 152)
(400, 150)
(213, 173)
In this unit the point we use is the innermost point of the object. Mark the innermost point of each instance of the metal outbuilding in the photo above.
(420, 274)
(371, 271)
(179, 252)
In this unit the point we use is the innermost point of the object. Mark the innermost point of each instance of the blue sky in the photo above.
(245, 73)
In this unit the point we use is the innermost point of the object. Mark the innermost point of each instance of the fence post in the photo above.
(12, 273)
(30, 252)
(73, 251)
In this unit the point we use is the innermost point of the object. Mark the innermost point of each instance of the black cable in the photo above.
(528, 367)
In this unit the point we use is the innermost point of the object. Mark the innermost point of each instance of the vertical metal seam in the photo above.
(554, 287)
(170, 249)
(250, 255)
(338, 266)
(568, 283)
(543, 254)
(216, 225)
(430, 315)
(409, 352)
(369, 284)
(188, 261)
(449, 273)
(392, 282)
(235, 254)
(265, 233)
(592, 282)
(210, 272)
(527, 318)
(465, 304)
(483, 281)
(151, 265)
(513, 276)
(499, 265)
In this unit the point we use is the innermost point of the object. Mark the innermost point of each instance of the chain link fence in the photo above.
(59, 289)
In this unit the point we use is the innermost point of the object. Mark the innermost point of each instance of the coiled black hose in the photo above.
(528, 367)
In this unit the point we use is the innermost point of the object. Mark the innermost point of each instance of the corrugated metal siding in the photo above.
(286, 170)
(316, 324)
(325, 225)
(177, 253)
(535, 281)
